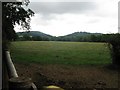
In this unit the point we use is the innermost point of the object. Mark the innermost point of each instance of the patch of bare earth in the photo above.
(69, 76)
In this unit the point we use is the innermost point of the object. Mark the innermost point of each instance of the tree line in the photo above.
(86, 38)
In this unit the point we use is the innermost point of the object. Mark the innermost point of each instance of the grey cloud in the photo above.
(47, 8)
(94, 21)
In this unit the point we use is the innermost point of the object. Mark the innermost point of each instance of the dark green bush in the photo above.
(114, 47)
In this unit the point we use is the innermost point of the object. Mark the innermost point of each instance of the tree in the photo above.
(13, 13)
(114, 46)
(37, 38)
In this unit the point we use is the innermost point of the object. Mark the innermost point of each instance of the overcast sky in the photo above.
(60, 18)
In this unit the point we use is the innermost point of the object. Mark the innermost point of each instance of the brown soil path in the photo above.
(69, 76)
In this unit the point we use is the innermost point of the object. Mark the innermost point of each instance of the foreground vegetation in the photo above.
(68, 53)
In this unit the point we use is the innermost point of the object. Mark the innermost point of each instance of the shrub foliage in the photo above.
(114, 47)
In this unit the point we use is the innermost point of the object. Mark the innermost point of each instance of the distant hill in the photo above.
(76, 36)
(35, 34)
(82, 34)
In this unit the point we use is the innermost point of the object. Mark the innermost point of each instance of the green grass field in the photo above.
(68, 53)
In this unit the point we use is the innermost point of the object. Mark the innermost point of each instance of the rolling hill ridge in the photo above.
(40, 36)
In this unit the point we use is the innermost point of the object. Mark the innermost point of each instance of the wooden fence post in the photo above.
(15, 82)
(10, 66)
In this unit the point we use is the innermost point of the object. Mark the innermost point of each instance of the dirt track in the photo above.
(68, 76)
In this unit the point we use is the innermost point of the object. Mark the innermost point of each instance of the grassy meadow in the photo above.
(65, 64)
(65, 53)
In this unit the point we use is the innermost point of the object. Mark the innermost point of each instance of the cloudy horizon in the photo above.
(62, 18)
